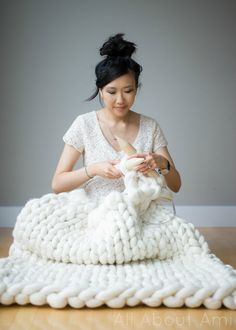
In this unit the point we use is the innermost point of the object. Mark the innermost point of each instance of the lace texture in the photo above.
(86, 136)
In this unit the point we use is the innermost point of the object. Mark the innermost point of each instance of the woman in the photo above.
(93, 134)
(70, 249)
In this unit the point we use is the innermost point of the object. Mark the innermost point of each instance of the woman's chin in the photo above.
(121, 111)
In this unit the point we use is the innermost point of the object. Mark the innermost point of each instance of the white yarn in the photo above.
(123, 249)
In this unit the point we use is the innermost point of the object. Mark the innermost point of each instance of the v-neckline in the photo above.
(105, 139)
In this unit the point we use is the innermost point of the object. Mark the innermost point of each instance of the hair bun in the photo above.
(117, 46)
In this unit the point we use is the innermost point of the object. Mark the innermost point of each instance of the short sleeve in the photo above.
(74, 135)
(159, 139)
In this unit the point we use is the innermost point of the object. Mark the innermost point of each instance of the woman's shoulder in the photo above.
(84, 119)
(149, 121)
(85, 116)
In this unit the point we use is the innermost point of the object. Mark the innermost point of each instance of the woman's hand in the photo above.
(105, 169)
(151, 162)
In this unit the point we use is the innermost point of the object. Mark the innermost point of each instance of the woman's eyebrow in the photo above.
(123, 87)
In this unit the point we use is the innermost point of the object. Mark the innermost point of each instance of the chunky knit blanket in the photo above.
(123, 249)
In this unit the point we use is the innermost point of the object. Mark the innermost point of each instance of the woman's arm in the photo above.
(173, 179)
(65, 179)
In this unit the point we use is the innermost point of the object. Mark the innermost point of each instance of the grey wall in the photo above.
(49, 50)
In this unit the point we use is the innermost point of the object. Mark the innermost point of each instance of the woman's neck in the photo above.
(112, 119)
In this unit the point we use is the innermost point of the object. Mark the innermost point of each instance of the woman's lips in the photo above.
(120, 108)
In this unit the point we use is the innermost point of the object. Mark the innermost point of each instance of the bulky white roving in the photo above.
(122, 249)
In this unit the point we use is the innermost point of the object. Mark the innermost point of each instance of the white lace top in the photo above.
(86, 136)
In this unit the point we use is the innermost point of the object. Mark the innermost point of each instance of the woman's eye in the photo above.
(125, 92)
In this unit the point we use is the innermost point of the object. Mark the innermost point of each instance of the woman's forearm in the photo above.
(68, 181)
(173, 179)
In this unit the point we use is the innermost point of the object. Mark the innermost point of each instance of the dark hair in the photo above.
(118, 62)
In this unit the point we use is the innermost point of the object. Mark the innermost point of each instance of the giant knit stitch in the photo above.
(126, 248)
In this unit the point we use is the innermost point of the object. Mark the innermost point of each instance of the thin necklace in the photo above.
(109, 127)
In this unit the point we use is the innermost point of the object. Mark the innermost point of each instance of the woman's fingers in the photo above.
(114, 171)
(146, 166)
(142, 168)
(114, 161)
(139, 155)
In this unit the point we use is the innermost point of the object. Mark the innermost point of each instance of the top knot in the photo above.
(117, 46)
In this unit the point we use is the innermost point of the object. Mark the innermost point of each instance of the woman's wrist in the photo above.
(162, 161)
(90, 170)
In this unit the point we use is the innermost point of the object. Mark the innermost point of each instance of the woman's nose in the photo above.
(120, 98)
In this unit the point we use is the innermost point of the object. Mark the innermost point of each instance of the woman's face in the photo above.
(119, 95)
